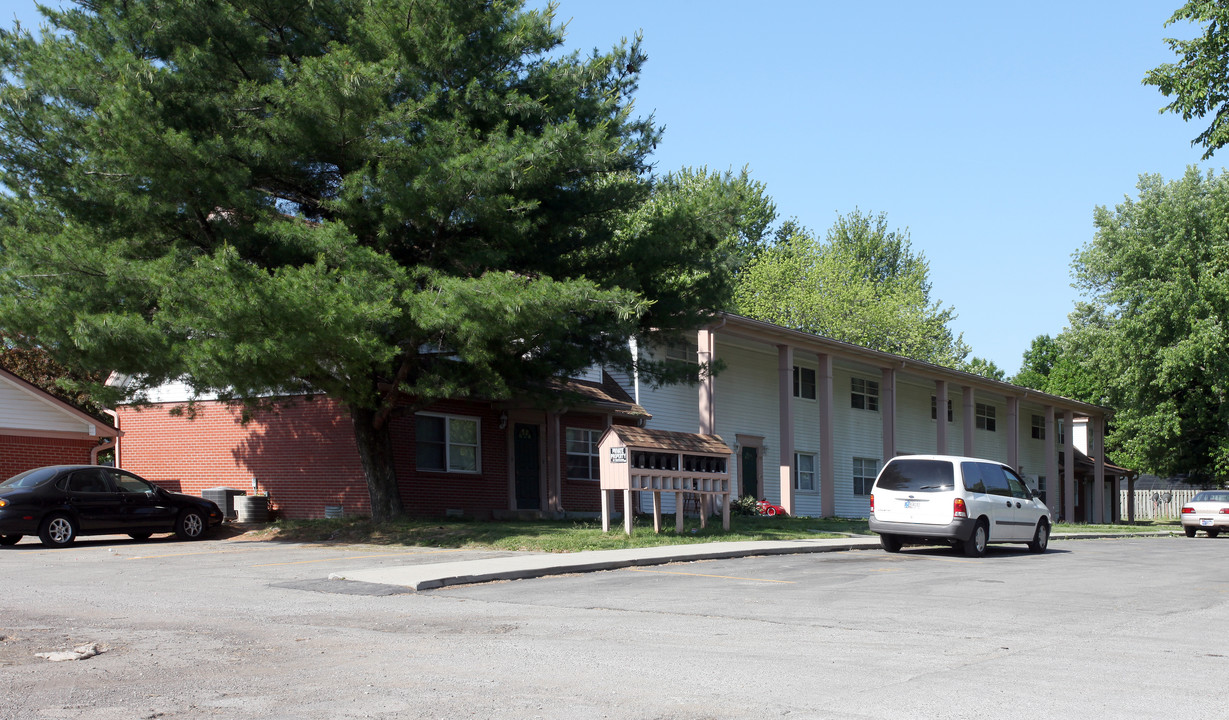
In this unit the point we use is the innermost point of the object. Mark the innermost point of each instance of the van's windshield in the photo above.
(916, 476)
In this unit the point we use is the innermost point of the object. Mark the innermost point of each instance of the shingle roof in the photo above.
(667, 440)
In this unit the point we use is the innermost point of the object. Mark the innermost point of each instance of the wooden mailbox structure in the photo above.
(657, 461)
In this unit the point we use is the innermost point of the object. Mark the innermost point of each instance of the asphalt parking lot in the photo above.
(231, 628)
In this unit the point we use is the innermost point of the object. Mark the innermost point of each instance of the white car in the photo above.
(1207, 511)
(961, 501)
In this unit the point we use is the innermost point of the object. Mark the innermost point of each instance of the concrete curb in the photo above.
(521, 567)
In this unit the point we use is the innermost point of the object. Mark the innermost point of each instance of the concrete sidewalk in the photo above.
(518, 567)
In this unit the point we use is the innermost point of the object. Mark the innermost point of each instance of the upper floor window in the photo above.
(683, 352)
(582, 452)
(934, 408)
(985, 417)
(1039, 427)
(863, 394)
(447, 443)
(804, 383)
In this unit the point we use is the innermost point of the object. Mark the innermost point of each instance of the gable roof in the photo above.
(669, 440)
(28, 410)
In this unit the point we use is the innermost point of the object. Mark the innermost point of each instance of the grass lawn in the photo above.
(578, 535)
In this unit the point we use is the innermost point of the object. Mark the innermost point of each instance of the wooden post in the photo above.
(656, 512)
(678, 512)
(627, 511)
(605, 510)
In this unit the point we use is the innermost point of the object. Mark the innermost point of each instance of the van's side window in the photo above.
(995, 480)
(1018, 488)
(972, 477)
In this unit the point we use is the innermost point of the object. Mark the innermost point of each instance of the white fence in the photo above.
(1157, 504)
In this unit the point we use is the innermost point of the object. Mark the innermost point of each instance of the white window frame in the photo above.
(986, 419)
(799, 473)
(869, 393)
(860, 466)
(684, 352)
(594, 455)
(1039, 427)
(449, 444)
(799, 386)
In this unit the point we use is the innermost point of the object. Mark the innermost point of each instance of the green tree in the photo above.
(1199, 82)
(1059, 366)
(1154, 329)
(861, 284)
(31, 363)
(984, 367)
(389, 201)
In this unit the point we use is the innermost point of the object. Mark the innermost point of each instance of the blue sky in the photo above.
(989, 130)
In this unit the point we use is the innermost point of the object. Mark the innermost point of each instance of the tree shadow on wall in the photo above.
(303, 455)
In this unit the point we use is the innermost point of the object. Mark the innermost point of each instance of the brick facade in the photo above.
(19, 453)
(304, 455)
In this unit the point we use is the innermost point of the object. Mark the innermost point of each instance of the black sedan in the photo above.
(59, 503)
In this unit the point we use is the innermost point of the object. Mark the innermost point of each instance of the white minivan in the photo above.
(962, 501)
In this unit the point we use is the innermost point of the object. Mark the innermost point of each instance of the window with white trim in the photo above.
(804, 383)
(683, 352)
(864, 472)
(446, 443)
(864, 394)
(985, 417)
(1039, 427)
(934, 408)
(583, 454)
(804, 472)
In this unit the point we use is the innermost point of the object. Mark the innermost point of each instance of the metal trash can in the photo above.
(252, 508)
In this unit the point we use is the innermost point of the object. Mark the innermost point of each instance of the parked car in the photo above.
(961, 501)
(60, 502)
(1207, 511)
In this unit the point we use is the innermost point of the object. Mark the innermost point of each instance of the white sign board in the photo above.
(618, 455)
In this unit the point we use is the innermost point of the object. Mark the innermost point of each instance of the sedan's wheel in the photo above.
(1041, 538)
(976, 545)
(1213, 533)
(6, 540)
(190, 525)
(139, 536)
(1190, 531)
(891, 543)
(58, 531)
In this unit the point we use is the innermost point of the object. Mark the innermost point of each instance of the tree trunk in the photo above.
(375, 452)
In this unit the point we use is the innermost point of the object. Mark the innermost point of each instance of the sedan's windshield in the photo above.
(29, 478)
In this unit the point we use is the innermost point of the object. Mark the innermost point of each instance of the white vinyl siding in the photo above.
(23, 410)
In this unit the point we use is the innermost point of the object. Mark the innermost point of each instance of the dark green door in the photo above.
(749, 472)
(528, 467)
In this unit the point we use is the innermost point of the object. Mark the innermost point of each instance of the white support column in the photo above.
(1069, 467)
(827, 453)
(785, 401)
(1053, 484)
(887, 410)
(941, 417)
(970, 420)
(1013, 433)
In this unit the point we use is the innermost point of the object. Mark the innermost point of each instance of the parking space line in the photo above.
(359, 557)
(719, 577)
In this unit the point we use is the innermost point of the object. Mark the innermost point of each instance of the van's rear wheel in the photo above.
(891, 543)
(975, 546)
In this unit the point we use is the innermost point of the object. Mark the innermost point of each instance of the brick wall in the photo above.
(426, 492)
(303, 453)
(18, 454)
